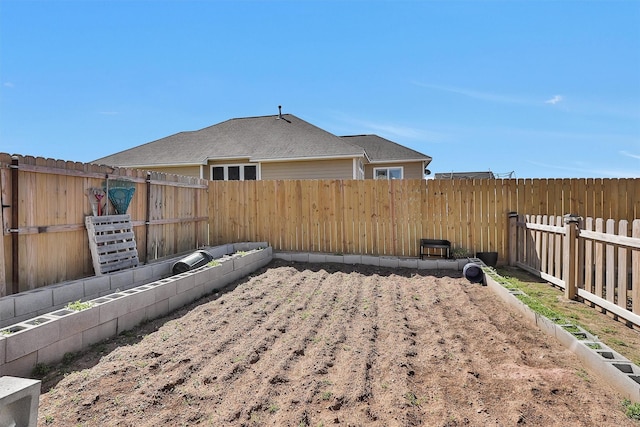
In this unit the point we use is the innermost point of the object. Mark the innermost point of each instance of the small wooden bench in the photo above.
(444, 246)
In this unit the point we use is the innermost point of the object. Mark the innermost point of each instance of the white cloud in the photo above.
(485, 96)
(633, 156)
(554, 100)
(387, 130)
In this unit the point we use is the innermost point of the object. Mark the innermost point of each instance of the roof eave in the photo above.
(295, 159)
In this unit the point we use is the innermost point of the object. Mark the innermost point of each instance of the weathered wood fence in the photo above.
(44, 203)
(593, 260)
(382, 217)
(44, 240)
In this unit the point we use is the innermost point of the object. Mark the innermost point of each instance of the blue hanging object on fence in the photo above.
(120, 198)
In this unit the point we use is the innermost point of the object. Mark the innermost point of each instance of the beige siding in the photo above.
(178, 170)
(412, 170)
(312, 169)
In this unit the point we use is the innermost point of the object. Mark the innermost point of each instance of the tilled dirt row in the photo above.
(318, 345)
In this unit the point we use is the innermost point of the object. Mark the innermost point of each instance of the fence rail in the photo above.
(44, 240)
(44, 203)
(595, 260)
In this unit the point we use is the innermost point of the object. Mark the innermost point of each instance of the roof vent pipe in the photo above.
(279, 111)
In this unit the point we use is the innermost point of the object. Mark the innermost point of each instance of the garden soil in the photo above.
(328, 344)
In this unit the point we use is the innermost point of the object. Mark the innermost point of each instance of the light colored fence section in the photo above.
(596, 260)
(44, 203)
(382, 217)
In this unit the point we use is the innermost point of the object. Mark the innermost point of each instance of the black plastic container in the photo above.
(193, 261)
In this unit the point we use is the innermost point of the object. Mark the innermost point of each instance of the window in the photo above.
(234, 173)
(388, 173)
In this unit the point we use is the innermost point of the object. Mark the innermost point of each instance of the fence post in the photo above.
(513, 238)
(15, 226)
(570, 256)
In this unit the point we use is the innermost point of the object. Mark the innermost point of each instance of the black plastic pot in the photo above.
(473, 273)
(489, 258)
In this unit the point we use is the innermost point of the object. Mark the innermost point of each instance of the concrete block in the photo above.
(226, 267)
(99, 333)
(184, 282)
(112, 309)
(285, 256)
(211, 286)
(3, 346)
(159, 309)
(335, 258)
(55, 352)
(161, 270)
(74, 322)
(143, 274)
(391, 262)
(165, 289)
(462, 262)
(19, 399)
(31, 338)
(7, 308)
(68, 292)
(140, 297)
(121, 280)
(447, 264)
(370, 260)
(202, 275)
(353, 259)
(300, 257)
(408, 262)
(96, 286)
(131, 320)
(240, 262)
(179, 300)
(32, 301)
(427, 264)
(317, 257)
(21, 367)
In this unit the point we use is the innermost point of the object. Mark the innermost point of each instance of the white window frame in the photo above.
(388, 168)
(226, 167)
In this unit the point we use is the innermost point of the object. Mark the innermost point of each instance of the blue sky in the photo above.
(547, 89)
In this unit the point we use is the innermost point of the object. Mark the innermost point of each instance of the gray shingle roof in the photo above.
(258, 138)
(379, 149)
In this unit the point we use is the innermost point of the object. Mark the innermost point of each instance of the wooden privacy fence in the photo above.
(44, 204)
(383, 217)
(593, 260)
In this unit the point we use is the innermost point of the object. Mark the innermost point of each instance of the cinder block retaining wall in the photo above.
(46, 330)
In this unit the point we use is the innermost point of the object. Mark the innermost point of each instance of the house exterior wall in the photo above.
(412, 170)
(312, 169)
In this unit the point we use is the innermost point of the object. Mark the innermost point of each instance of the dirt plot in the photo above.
(318, 345)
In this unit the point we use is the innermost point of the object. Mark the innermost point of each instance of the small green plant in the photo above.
(273, 408)
(412, 399)
(631, 410)
(460, 253)
(68, 358)
(79, 305)
(48, 419)
(214, 263)
(241, 253)
(594, 346)
(6, 332)
(41, 369)
(326, 395)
